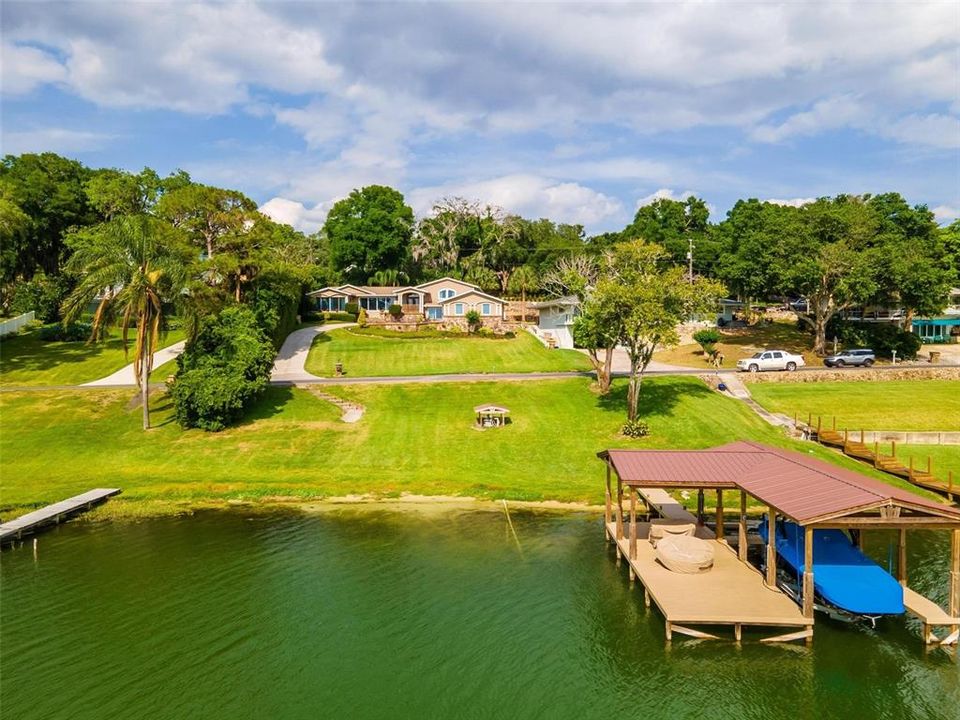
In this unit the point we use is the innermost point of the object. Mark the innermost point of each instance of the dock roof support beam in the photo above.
(808, 572)
(619, 508)
(633, 523)
(720, 519)
(902, 557)
(771, 547)
(742, 536)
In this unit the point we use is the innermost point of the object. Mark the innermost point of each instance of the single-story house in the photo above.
(556, 319)
(435, 299)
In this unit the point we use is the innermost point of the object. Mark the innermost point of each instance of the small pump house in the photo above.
(491, 416)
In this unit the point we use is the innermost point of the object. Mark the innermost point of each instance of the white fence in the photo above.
(14, 324)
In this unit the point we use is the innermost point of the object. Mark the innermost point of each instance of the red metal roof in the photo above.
(799, 486)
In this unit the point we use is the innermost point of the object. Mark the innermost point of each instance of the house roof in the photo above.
(490, 408)
(450, 279)
(566, 300)
(798, 486)
(459, 297)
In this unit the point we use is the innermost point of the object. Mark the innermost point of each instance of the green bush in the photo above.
(396, 311)
(338, 317)
(707, 339)
(636, 428)
(275, 301)
(473, 319)
(882, 338)
(57, 332)
(41, 294)
(362, 318)
(222, 371)
(352, 309)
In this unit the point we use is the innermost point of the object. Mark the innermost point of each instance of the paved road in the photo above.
(289, 367)
(124, 376)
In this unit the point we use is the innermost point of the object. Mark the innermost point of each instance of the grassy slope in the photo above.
(414, 438)
(25, 359)
(366, 355)
(889, 405)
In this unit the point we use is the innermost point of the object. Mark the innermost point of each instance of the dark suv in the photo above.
(863, 357)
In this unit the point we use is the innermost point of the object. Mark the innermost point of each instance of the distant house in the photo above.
(556, 320)
(435, 300)
(943, 328)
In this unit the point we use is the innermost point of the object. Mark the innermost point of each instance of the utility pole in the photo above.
(690, 259)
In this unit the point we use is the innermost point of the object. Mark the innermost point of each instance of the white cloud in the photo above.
(826, 114)
(662, 194)
(791, 202)
(531, 196)
(295, 214)
(58, 140)
(946, 213)
(24, 68)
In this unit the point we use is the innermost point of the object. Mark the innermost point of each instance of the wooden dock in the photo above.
(29, 523)
(732, 593)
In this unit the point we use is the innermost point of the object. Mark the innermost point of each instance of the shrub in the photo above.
(222, 371)
(42, 294)
(636, 428)
(352, 309)
(338, 316)
(473, 320)
(396, 312)
(707, 339)
(57, 332)
(275, 301)
(882, 338)
(509, 334)
(362, 318)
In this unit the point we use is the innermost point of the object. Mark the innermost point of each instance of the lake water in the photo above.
(374, 613)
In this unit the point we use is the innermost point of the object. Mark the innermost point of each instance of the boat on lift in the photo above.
(848, 585)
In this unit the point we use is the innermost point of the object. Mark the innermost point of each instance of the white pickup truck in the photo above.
(770, 360)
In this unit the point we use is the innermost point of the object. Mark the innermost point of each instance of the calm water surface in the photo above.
(363, 614)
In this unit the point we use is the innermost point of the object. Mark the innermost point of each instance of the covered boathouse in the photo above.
(812, 493)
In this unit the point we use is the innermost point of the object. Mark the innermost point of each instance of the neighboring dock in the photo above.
(31, 522)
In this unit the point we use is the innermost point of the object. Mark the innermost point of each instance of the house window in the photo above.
(485, 309)
(458, 309)
(435, 313)
(447, 293)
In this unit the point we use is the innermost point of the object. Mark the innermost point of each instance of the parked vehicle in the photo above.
(771, 360)
(861, 356)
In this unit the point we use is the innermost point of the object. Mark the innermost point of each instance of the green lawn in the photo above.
(417, 438)
(372, 355)
(886, 405)
(25, 359)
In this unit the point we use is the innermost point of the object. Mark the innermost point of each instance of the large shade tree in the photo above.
(132, 267)
(368, 231)
(641, 298)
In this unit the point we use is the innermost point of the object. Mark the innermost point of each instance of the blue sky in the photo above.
(577, 112)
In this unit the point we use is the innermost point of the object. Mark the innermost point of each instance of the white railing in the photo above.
(12, 325)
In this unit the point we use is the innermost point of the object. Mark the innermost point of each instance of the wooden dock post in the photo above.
(950, 485)
(893, 449)
(808, 572)
(720, 520)
(742, 536)
(771, 547)
(619, 509)
(633, 526)
(845, 439)
(819, 424)
(876, 452)
(608, 506)
(954, 606)
(861, 436)
(834, 423)
(911, 469)
(902, 556)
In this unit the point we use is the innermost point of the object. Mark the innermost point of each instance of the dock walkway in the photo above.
(732, 593)
(26, 524)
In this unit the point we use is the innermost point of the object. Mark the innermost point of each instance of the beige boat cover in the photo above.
(684, 554)
(660, 529)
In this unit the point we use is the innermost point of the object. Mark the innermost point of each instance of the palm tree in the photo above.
(131, 266)
(522, 279)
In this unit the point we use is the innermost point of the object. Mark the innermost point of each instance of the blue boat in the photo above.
(843, 577)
